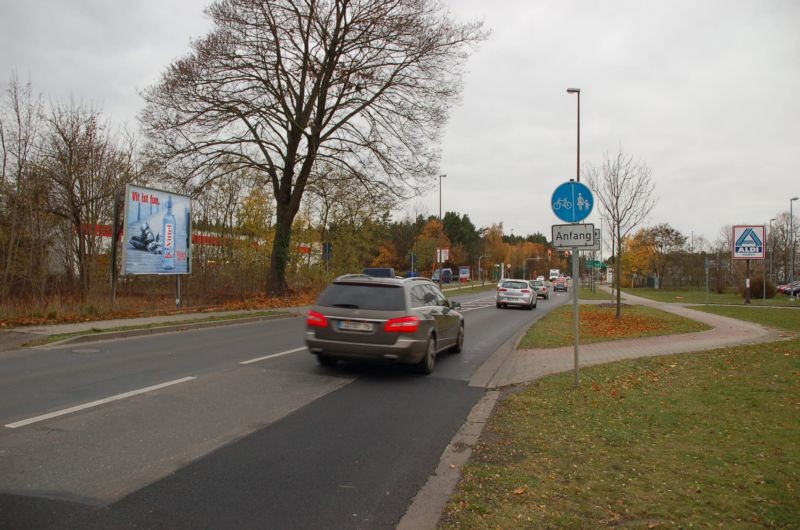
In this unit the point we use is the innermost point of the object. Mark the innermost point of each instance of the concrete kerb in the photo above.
(91, 331)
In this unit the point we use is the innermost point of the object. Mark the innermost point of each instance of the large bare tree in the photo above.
(85, 163)
(279, 85)
(21, 246)
(623, 188)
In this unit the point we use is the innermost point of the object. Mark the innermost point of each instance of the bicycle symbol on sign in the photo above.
(562, 203)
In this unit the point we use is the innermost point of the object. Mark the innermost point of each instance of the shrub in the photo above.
(757, 288)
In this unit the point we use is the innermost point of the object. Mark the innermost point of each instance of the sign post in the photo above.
(572, 202)
(748, 243)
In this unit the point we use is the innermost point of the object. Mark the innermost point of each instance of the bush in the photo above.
(757, 288)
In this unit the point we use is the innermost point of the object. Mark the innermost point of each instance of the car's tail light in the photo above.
(316, 320)
(502, 289)
(402, 325)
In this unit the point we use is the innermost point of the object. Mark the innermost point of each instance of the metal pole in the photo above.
(791, 252)
(441, 229)
(578, 162)
(747, 285)
(177, 291)
(115, 231)
(575, 318)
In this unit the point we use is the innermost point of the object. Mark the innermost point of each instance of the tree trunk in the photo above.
(618, 278)
(276, 279)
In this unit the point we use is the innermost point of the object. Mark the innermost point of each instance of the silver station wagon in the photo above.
(517, 293)
(365, 318)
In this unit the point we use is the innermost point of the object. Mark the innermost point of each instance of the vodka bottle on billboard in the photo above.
(168, 231)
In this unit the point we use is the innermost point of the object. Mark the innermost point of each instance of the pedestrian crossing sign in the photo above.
(749, 242)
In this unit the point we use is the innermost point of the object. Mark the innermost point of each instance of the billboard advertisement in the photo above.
(157, 232)
(749, 242)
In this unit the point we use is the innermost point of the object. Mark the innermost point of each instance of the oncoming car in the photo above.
(516, 293)
(560, 285)
(400, 320)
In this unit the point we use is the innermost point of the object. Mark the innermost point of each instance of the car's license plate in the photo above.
(349, 325)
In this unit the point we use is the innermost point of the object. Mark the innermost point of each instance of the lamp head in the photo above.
(573, 90)
(794, 198)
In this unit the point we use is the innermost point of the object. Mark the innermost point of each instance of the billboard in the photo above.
(749, 242)
(157, 232)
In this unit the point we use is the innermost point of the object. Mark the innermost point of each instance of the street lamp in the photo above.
(439, 265)
(480, 273)
(575, 270)
(578, 163)
(791, 242)
(771, 262)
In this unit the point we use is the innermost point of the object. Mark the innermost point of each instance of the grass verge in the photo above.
(598, 294)
(598, 323)
(692, 440)
(698, 296)
(781, 318)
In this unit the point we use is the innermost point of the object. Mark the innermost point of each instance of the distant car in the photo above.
(382, 272)
(540, 288)
(446, 275)
(517, 293)
(560, 285)
(464, 274)
(395, 320)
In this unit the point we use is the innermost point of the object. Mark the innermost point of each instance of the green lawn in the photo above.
(694, 440)
(598, 323)
(698, 296)
(781, 318)
(598, 294)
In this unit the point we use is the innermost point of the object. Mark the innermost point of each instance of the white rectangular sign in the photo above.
(749, 242)
(575, 236)
(597, 239)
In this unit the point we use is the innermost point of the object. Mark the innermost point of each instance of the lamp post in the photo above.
(578, 163)
(480, 273)
(575, 269)
(791, 243)
(439, 265)
(525, 266)
(771, 259)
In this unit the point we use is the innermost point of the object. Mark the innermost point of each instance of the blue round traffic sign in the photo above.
(572, 202)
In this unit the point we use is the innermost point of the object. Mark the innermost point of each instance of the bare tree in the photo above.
(624, 189)
(20, 217)
(278, 85)
(85, 164)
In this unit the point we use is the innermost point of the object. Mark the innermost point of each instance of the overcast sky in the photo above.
(706, 93)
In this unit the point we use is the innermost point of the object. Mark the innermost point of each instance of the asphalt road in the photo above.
(248, 431)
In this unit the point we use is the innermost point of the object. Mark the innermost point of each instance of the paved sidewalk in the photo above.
(522, 366)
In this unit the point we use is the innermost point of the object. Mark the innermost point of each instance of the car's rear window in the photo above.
(358, 296)
(515, 285)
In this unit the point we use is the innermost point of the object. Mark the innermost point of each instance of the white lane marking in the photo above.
(91, 404)
(287, 352)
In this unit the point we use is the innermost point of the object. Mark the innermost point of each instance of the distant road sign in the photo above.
(749, 242)
(574, 236)
(572, 202)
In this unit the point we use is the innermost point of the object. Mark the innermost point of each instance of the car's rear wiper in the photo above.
(348, 306)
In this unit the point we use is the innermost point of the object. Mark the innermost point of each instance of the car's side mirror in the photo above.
(455, 305)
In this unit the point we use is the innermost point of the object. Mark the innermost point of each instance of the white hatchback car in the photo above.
(516, 293)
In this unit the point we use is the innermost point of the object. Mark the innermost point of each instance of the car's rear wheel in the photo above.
(499, 306)
(425, 365)
(459, 345)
